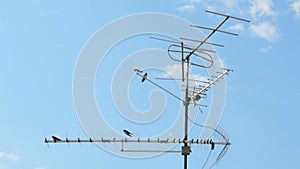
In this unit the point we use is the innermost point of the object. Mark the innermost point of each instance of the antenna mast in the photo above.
(186, 53)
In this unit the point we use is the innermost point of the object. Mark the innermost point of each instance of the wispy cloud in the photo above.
(9, 156)
(230, 4)
(265, 30)
(194, 1)
(261, 12)
(215, 5)
(256, 8)
(12, 157)
(260, 8)
(211, 7)
(188, 7)
(39, 167)
(266, 49)
(2, 166)
(174, 71)
(2, 154)
(295, 5)
(237, 27)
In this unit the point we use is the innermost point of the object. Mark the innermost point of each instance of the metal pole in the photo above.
(186, 104)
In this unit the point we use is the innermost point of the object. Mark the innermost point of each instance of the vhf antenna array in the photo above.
(191, 97)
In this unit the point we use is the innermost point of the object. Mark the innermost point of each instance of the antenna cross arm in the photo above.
(233, 17)
(138, 140)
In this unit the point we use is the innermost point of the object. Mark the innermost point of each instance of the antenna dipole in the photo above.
(186, 52)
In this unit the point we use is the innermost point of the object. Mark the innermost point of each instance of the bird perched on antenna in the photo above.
(56, 139)
(127, 133)
(144, 77)
(138, 71)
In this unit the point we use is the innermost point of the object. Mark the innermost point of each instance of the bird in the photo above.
(55, 139)
(212, 146)
(127, 133)
(138, 71)
(144, 77)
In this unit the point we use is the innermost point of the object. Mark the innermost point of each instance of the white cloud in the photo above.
(220, 62)
(174, 70)
(296, 7)
(7, 156)
(266, 49)
(261, 8)
(230, 4)
(198, 77)
(2, 166)
(39, 167)
(2, 154)
(237, 27)
(211, 7)
(189, 7)
(12, 157)
(194, 1)
(265, 30)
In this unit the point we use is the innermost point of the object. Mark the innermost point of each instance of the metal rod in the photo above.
(125, 140)
(195, 54)
(233, 17)
(182, 61)
(185, 46)
(202, 27)
(194, 80)
(201, 43)
(161, 87)
(152, 151)
(185, 162)
(166, 40)
(170, 50)
(194, 40)
(186, 104)
(200, 50)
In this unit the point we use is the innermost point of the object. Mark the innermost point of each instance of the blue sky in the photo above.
(40, 44)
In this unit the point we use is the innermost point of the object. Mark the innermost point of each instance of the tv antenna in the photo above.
(181, 52)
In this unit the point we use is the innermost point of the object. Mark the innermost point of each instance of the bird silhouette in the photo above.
(138, 71)
(55, 139)
(127, 133)
(144, 77)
